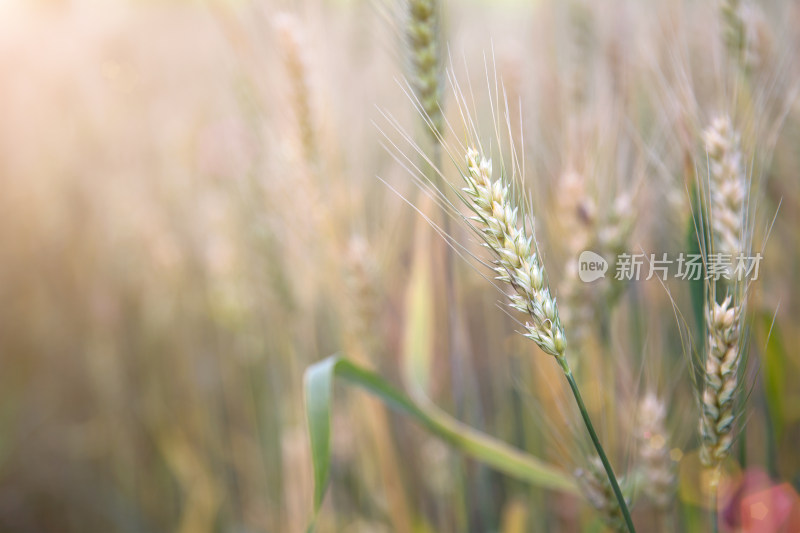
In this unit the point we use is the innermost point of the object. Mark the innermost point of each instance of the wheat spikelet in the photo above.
(721, 381)
(595, 487)
(656, 463)
(727, 187)
(516, 260)
(422, 36)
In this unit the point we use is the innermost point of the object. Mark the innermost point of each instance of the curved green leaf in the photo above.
(318, 386)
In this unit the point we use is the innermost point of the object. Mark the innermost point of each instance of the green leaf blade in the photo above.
(318, 385)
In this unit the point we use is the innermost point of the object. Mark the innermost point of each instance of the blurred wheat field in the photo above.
(201, 202)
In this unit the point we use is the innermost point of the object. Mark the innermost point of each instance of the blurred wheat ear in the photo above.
(598, 492)
(424, 48)
(727, 186)
(654, 443)
(290, 39)
(733, 33)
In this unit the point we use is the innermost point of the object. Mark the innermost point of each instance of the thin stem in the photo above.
(714, 517)
(715, 477)
(666, 521)
(609, 362)
(588, 422)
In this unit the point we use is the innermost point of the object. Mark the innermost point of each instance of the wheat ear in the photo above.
(291, 44)
(598, 492)
(656, 463)
(733, 31)
(578, 224)
(727, 187)
(422, 36)
(584, 229)
(745, 33)
(517, 263)
(361, 284)
(721, 381)
(727, 197)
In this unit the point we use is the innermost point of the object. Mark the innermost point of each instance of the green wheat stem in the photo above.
(596, 441)
(714, 519)
(714, 499)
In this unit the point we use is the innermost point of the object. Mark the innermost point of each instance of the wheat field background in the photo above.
(203, 201)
